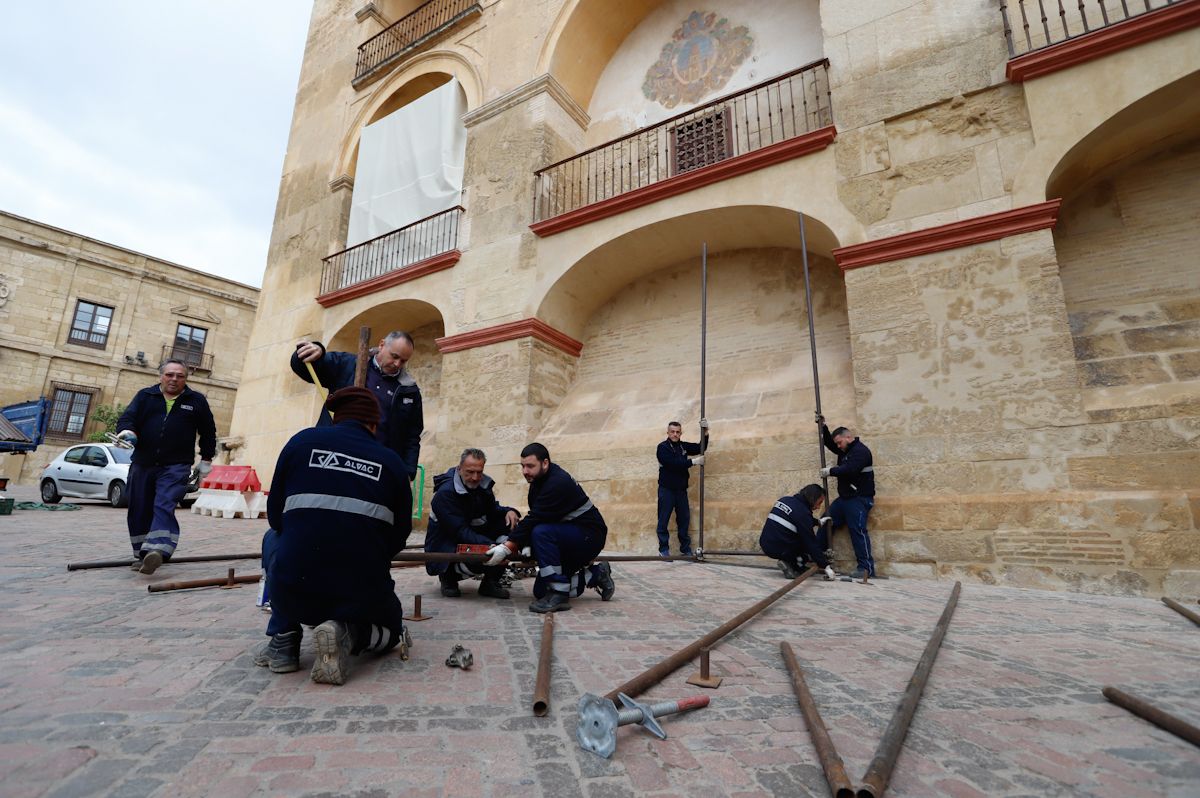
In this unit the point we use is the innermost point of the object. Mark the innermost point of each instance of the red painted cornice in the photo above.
(419, 269)
(689, 181)
(1119, 36)
(950, 236)
(525, 328)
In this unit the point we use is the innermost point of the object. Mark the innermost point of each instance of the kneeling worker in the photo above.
(464, 510)
(340, 507)
(566, 533)
(790, 533)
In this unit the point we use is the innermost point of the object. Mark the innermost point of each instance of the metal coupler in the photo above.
(460, 658)
(599, 719)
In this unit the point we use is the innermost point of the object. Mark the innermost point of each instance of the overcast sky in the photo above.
(157, 126)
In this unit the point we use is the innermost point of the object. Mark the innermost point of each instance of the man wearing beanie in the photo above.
(339, 508)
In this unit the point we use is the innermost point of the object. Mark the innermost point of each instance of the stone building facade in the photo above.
(1000, 218)
(86, 324)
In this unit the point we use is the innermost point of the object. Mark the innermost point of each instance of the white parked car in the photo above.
(92, 471)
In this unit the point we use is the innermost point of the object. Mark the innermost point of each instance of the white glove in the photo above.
(527, 553)
(825, 519)
(204, 469)
(829, 572)
(129, 436)
(497, 554)
(704, 423)
(697, 460)
(825, 471)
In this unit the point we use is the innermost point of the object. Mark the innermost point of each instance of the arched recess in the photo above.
(419, 76)
(425, 324)
(1125, 242)
(635, 304)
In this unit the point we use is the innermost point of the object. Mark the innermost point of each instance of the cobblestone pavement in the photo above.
(106, 689)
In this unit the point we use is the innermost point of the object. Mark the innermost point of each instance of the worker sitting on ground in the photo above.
(791, 533)
(340, 508)
(566, 532)
(465, 511)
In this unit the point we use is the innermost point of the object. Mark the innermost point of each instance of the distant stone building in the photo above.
(1001, 216)
(85, 324)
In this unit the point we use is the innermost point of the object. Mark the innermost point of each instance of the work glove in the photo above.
(129, 436)
(697, 460)
(204, 468)
(704, 423)
(825, 519)
(527, 553)
(497, 554)
(828, 573)
(825, 471)
(820, 418)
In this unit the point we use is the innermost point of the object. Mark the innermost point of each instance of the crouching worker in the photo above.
(792, 535)
(340, 507)
(464, 510)
(565, 531)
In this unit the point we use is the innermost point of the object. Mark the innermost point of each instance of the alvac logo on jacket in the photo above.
(337, 461)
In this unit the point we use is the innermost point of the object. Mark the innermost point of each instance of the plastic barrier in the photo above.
(231, 477)
(220, 503)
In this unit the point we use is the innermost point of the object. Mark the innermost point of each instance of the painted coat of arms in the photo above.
(700, 58)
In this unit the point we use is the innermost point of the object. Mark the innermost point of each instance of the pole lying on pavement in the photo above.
(1160, 718)
(541, 688)
(125, 563)
(1182, 610)
(655, 674)
(876, 779)
(163, 587)
(831, 763)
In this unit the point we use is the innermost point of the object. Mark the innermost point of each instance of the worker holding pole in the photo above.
(675, 457)
(855, 473)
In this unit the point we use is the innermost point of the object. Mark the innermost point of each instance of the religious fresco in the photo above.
(701, 57)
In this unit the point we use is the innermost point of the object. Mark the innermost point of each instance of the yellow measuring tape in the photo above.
(313, 373)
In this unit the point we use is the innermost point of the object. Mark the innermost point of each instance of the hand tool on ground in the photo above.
(460, 658)
(599, 719)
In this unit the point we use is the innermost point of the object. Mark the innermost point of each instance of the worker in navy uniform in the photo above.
(465, 510)
(855, 472)
(675, 457)
(340, 509)
(402, 416)
(162, 424)
(791, 533)
(565, 532)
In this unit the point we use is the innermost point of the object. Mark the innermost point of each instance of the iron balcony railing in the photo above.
(193, 359)
(392, 251)
(1034, 24)
(775, 110)
(413, 29)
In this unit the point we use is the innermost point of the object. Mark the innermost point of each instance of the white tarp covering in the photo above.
(410, 164)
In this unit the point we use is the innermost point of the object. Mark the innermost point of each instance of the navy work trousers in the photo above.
(673, 500)
(154, 491)
(852, 513)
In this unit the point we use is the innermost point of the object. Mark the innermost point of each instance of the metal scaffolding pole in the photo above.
(703, 376)
(812, 348)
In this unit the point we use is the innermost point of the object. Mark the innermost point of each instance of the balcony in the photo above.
(423, 247)
(429, 21)
(194, 360)
(781, 118)
(1045, 36)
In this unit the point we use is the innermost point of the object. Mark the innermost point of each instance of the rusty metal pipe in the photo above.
(655, 674)
(876, 779)
(162, 587)
(1160, 718)
(364, 353)
(541, 688)
(739, 565)
(125, 563)
(1182, 610)
(733, 553)
(831, 762)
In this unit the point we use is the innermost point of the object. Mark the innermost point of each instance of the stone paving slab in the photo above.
(106, 689)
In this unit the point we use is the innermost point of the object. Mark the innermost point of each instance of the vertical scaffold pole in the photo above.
(812, 347)
(703, 374)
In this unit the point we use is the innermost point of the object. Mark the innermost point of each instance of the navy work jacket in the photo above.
(556, 498)
(674, 460)
(855, 469)
(459, 514)
(169, 438)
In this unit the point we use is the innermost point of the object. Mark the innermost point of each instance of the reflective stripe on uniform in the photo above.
(549, 570)
(479, 521)
(870, 469)
(571, 516)
(782, 522)
(341, 504)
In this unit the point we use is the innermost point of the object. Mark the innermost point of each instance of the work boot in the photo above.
(604, 582)
(449, 587)
(136, 565)
(493, 588)
(332, 641)
(151, 561)
(553, 601)
(789, 569)
(857, 573)
(281, 653)
(664, 553)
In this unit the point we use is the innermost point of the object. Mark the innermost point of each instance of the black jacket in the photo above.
(790, 530)
(855, 470)
(459, 514)
(169, 438)
(556, 498)
(674, 460)
(403, 415)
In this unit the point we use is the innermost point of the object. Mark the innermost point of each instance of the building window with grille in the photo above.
(91, 324)
(189, 345)
(69, 410)
(701, 141)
